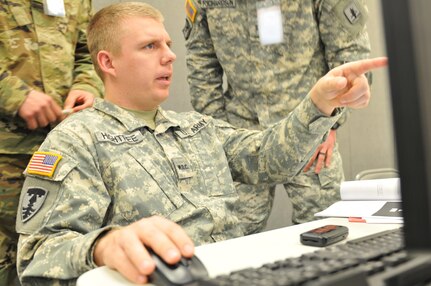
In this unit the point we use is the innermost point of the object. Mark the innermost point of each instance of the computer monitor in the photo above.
(407, 26)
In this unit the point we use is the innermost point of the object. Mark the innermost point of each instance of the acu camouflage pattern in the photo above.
(116, 171)
(44, 53)
(11, 181)
(265, 83)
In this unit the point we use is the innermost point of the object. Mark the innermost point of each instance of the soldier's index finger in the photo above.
(364, 66)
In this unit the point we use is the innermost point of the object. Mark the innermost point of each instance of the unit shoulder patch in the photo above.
(352, 13)
(32, 202)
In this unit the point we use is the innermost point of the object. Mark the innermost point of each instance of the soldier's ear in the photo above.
(105, 61)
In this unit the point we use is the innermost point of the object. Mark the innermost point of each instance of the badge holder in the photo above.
(269, 22)
(54, 8)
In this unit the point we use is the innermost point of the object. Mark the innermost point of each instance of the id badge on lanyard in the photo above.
(269, 22)
(54, 8)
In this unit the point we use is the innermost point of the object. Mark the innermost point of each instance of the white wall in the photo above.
(365, 140)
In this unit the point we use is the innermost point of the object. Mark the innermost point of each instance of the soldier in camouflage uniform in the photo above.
(44, 67)
(126, 174)
(266, 82)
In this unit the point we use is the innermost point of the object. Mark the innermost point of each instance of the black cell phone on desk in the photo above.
(325, 235)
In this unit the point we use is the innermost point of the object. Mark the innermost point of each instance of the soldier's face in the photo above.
(144, 66)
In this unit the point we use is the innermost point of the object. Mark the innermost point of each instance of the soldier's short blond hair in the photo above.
(104, 28)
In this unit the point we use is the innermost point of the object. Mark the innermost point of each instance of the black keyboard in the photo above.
(354, 263)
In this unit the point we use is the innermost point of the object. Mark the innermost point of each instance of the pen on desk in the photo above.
(67, 111)
(356, 219)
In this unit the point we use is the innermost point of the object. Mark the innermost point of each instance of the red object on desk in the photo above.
(356, 219)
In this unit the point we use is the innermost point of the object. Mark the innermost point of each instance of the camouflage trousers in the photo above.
(308, 192)
(311, 193)
(11, 181)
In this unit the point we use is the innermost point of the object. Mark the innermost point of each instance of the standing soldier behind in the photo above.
(44, 67)
(271, 53)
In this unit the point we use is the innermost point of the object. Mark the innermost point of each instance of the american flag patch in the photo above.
(43, 163)
(190, 10)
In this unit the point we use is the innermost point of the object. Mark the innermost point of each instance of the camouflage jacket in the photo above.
(266, 82)
(44, 53)
(113, 171)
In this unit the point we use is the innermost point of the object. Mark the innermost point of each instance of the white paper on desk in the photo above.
(371, 190)
(363, 209)
(377, 199)
(352, 209)
(374, 219)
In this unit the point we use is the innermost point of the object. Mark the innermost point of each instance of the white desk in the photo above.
(249, 251)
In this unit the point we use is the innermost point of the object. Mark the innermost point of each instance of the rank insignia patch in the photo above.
(190, 10)
(32, 202)
(43, 163)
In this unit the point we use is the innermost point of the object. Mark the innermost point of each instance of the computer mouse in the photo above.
(185, 272)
